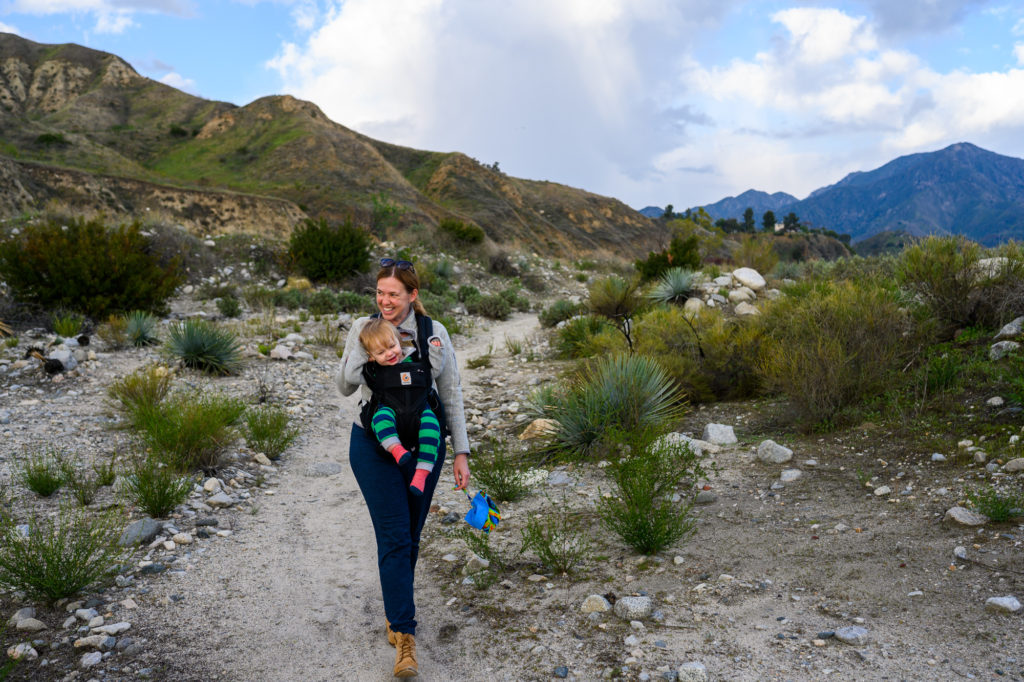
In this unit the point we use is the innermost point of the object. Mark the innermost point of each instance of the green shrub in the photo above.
(996, 504)
(468, 294)
(683, 252)
(574, 339)
(52, 140)
(943, 273)
(558, 311)
(830, 346)
(499, 472)
(139, 393)
(61, 555)
(480, 544)
(155, 487)
(674, 286)
(511, 294)
(229, 306)
(322, 302)
(114, 331)
(42, 472)
(500, 264)
(641, 510)
(105, 471)
(99, 270)
(460, 231)
(268, 431)
(351, 302)
(711, 356)
(620, 393)
(292, 299)
(198, 344)
(67, 324)
(190, 431)
(329, 253)
(258, 298)
(140, 327)
(494, 307)
(558, 539)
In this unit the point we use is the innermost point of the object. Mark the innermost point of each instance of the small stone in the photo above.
(1013, 466)
(69, 622)
(883, 490)
(995, 401)
(595, 603)
(938, 457)
(323, 469)
(21, 614)
(719, 434)
(818, 642)
(30, 625)
(1007, 604)
(964, 517)
(706, 497)
(693, 672)
(790, 475)
(633, 608)
(562, 672)
(90, 659)
(22, 652)
(475, 565)
(182, 539)
(772, 453)
(212, 485)
(219, 500)
(85, 615)
(140, 532)
(262, 459)
(539, 428)
(632, 641)
(536, 578)
(96, 622)
(678, 560)
(94, 641)
(915, 593)
(853, 635)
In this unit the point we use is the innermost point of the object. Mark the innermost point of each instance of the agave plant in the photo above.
(674, 286)
(140, 328)
(203, 346)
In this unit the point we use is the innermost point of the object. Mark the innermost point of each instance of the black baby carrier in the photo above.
(406, 388)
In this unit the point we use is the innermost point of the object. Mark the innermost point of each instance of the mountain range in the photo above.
(961, 189)
(82, 130)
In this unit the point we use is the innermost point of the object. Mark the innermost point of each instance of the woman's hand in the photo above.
(461, 468)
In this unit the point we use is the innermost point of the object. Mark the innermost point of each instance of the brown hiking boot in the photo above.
(405, 655)
(390, 632)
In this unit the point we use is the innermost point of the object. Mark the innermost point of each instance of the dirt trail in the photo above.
(294, 594)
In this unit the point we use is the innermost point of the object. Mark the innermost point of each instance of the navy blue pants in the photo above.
(397, 517)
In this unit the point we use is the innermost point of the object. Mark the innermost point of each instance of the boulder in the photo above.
(749, 277)
(693, 306)
(964, 517)
(719, 434)
(1001, 349)
(772, 453)
(1007, 604)
(746, 309)
(142, 531)
(539, 428)
(634, 608)
(595, 603)
(1013, 466)
(1011, 330)
(741, 295)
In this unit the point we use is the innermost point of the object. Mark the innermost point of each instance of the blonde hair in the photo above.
(378, 334)
(409, 279)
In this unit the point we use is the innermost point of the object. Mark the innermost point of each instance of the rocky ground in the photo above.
(835, 563)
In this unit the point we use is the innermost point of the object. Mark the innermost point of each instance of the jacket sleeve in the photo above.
(350, 375)
(449, 388)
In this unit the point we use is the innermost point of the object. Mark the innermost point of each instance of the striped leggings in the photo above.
(386, 430)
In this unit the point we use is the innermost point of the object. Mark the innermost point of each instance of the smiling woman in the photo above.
(398, 487)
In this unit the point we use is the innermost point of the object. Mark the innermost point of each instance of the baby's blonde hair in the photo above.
(378, 334)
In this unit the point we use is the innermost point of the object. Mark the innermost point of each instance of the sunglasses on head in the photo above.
(400, 264)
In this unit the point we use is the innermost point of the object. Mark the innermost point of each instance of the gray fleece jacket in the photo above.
(443, 367)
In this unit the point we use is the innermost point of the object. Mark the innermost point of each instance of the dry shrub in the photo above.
(757, 252)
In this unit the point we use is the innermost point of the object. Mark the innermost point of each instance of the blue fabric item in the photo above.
(397, 517)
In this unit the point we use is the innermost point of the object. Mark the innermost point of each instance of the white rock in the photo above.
(633, 608)
(964, 517)
(94, 641)
(221, 499)
(280, 352)
(212, 485)
(853, 634)
(995, 401)
(1013, 466)
(1007, 604)
(21, 614)
(938, 457)
(1001, 349)
(693, 306)
(741, 295)
(539, 428)
(746, 309)
(693, 672)
(96, 622)
(1011, 330)
(790, 475)
(30, 625)
(85, 614)
(749, 277)
(883, 490)
(114, 628)
(182, 539)
(22, 652)
(771, 452)
(595, 603)
(90, 659)
(719, 434)
(475, 565)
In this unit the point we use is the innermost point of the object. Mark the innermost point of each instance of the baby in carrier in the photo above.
(406, 392)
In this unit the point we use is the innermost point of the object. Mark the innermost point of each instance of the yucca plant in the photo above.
(155, 487)
(268, 431)
(617, 393)
(59, 556)
(203, 346)
(191, 430)
(140, 328)
(674, 286)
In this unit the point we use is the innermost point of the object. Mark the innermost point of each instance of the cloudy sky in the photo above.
(650, 101)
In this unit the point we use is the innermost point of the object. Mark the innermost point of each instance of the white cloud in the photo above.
(825, 35)
(176, 80)
(1018, 53)
(7, 28)
(113, 22)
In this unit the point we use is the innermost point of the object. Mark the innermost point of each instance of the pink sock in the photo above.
(400, 454)
(419, 481)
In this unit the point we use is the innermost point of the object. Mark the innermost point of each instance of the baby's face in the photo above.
(391, 355)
